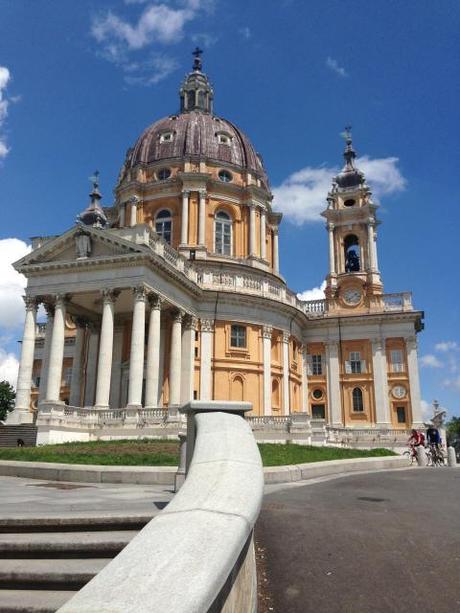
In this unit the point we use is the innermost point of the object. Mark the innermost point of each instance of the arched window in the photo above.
(223, 233)
(358, 399)
(352, 259)
(201, 99)
(163, 225)
(163, 174)
(190, 99)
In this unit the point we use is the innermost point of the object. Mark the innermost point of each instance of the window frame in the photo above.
(223, 222)
(223, 172)
(167, 137)
(316, 365)
(359, 409)
(397, 366)
(163, 169)
(164, 220)
(355, 362)
(235, 330)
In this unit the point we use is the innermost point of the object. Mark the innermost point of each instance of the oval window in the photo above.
(317, 394)
(225, 176)
(350, 202)
(163, 174)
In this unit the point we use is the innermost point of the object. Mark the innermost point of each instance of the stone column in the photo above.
(414, 381)
(76, 380)
(202, 218)
(115, 384)
(175, 362)
(276, 259)
(136, 358)
(122, 219)
(330, 229)
(24, 384)
(207, 330)
(333, 383)
(46, 351)
(303, 353)
(252, 229)
(379, 366)
(134, 201)
(53, 386)
(184, 218)
(370, 245)
(91, 366)
(374, 250)
(286, 391)
(267, 357)
(153, 353)
(104, 368)
(263, 244)
(188, 358)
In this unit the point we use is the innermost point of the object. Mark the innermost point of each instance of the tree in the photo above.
(453, 429)
(7, 396)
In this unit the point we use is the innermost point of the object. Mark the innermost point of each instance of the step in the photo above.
(62, 574)
(64, 544)
(33, 601)
(70, 522)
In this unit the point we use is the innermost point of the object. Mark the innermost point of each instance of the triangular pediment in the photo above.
(80, 243)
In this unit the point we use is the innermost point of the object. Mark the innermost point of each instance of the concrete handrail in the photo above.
(191, 556)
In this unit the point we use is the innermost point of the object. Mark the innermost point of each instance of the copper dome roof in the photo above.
(195, 134)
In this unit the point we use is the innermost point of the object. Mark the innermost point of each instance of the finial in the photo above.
(197, 64)
(349, 153)
(95, 179)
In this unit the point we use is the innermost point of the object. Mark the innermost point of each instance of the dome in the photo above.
(196, 134)
(350, 176)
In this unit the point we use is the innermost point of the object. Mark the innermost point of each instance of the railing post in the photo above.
(451, 457)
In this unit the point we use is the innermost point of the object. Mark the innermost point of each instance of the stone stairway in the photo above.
(45, 560)
(9, 435)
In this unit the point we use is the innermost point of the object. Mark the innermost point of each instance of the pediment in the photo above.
(80, 244)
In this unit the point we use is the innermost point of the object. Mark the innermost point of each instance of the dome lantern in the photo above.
(196, 93)
(93, 215)
(350, 176)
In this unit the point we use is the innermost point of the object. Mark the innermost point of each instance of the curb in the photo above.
(164, 475)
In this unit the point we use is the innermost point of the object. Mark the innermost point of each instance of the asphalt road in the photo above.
(380, 542)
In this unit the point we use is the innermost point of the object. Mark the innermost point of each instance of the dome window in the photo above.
(163, 225)
(317, 394)
(223, 138)
(163, 174)
(225, 176)
(349, 202)
(166, 137)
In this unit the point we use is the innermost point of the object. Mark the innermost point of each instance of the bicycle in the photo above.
(435, 455)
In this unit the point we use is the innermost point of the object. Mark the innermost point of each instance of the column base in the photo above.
(101, 407)
(19, 416)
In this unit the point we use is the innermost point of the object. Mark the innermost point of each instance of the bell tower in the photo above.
(354, 278)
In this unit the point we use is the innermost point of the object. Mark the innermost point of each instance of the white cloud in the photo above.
(245, 32)
(427, 410)
(430, 361)
(5, 77)
(12, 283)
(302, 196)
(446, 346)
(452, 383)
(122, 41)
(205, 39)
(9, 366)
(335, 67)
(316, 293)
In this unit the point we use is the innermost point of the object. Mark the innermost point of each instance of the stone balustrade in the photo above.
(197, 555)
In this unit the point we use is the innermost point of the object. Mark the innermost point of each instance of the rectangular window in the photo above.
(355, 362)
(238, 337)
(396, 359)
(67, 375)
(401, 415)
(316, 365)
(318, 411)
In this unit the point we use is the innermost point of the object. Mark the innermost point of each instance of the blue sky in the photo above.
(80, 80)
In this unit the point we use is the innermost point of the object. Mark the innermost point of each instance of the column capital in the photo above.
(203, 193)
(177, 316)
(267, 332)
(207, 325)
(62, 299)
(378, 343)
(330, 226)
(155, 301)
(251, 205)
(31, 302)
(411, 342)
(286, 336)
(110, 295)
(275, 230)
(140, 293)
(190, 322)
(134, 200)
(186, 193)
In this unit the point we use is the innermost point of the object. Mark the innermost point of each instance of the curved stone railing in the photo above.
(197, 555)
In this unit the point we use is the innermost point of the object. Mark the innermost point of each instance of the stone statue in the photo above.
(82, 245)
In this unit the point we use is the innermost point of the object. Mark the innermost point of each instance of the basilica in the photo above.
(176, 292)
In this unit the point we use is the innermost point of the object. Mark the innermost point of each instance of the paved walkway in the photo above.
(32, 497)
(381, 542)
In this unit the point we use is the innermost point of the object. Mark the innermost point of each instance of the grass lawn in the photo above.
(166, 453)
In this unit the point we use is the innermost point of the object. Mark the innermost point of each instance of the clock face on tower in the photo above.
(352, 296)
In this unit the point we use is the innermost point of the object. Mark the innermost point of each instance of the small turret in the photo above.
(196, 93)
(350, 176)
(93, 215)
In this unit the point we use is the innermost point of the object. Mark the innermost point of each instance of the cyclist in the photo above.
(415, 440)
(433, 437)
